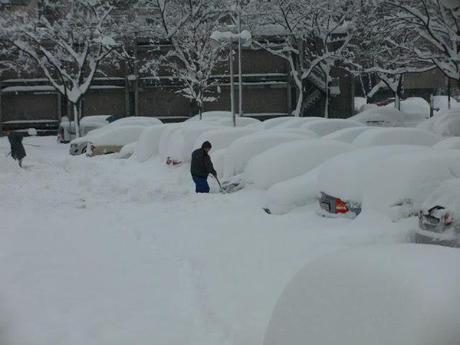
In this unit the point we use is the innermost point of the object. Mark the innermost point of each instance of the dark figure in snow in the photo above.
(17, 149)
(201, 167)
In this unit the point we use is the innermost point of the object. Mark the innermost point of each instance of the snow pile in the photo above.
(217, 115)
(93, 120)
(416, 106)
(290, 194)
(289, 160)
(177, 141)
(353, 167)
(449, 143)
(326, 126)
(296, 122)
(128, 150)
(381, 116)
(445, 124)
(388, 294)
(347, 135)
(270, 123)
(223, 118)
(118, 136)
(446, 195)
(222, 138)
(389, 116)
(240, 122)
(395, 136)
(242, 150)
(136, 120)
(409, 176)
(360, 102)
(442, 103)
(149, 143)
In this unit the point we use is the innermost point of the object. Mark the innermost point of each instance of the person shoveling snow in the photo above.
(201, 166)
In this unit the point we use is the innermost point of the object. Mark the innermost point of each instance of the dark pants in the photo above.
(201, 184)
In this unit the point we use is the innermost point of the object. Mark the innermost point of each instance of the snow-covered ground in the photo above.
(107, 251)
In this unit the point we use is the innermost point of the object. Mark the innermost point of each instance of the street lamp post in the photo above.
(243, 37)
(240, 73)
(232, 86)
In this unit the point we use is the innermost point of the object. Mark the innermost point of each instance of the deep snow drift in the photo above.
(104, 251)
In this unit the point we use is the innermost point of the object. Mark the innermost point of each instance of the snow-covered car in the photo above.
(415, 107)
(224, 118)
(178, 140)
(79, 146)
(396, 294)
(448, 143)
(244, 149)
(439, 218)
(347, 135)
(395, 136)
(149, 142)
(445, 124)
(66, 130)
(289, 160)
(113, 140)
(394, 180)
(296, 122)
(388, 117)
(270, 123)
(326, 126)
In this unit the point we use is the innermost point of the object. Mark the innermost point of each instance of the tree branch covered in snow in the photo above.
(192, 55)
(67, 41)
(384, 50)
(437, 24)
(312, 36)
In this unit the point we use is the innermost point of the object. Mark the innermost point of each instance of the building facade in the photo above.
(26, 97)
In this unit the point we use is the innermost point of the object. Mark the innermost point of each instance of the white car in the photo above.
(111, 134)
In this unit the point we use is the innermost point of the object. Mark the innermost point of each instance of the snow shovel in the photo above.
(220, 186)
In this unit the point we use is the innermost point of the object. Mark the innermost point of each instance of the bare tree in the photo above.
(67, 40)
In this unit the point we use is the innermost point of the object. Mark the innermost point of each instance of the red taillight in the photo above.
(340, 206)
(448, 220)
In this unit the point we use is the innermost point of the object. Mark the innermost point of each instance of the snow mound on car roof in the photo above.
(118, 136)
(289, 160)
(149, 142)
(390, 294)
(449, 143)
(395, 136)
(445, 124)
(243, 149)
(346, 135)
(326, 126)
(296, 192)
(349, 184)
(446, 195)
(222, 138)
